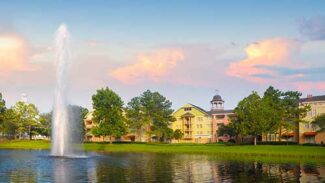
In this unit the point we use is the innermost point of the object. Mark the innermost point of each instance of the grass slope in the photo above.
(218, 149)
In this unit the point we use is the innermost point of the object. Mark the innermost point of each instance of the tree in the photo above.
(292, 113)
(28, 118)
(169, 134)
(108, 113)
(178, 134)
(45, 122)
(320, 122)
(136, 118)
(2, 112)
(251, 113)
(225, 129)
(10, 123)
(237, 127)
(151, 111)
(272, 102)
(274, 112)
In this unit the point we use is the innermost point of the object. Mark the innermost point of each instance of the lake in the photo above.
(37, 166)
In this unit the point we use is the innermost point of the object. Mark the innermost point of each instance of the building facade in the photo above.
(308, 131)
(220, 116)
(201, 126)
(305, 132)
(194, 122)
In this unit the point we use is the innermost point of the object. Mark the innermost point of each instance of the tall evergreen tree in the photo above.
(136, 119)
(151, 111)
(293, 113)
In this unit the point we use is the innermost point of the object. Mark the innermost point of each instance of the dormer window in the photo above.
(187, 109)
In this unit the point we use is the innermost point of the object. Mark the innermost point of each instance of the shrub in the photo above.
(232, 141)
(277, 143)
(311, 144)
(229, 144)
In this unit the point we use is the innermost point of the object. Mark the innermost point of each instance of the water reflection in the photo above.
(36, 166)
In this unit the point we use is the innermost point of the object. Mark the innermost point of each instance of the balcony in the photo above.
(309, 133)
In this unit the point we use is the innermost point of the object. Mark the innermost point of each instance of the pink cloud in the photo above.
(310, 86)
(154, 66)
(260, 55)
(14, 54)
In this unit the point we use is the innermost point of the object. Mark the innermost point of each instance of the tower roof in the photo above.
(217, 98)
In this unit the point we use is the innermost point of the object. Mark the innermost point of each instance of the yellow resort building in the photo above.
(307, 131)
(194, 122)
(201, 126)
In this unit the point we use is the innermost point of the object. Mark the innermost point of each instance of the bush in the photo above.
(115, 142)
(232, 141)
(229, 143)
(277, 143)
(311, 144)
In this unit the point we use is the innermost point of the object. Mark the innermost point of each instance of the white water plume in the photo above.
(61, 143)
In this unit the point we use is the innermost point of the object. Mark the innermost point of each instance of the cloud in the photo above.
(41, 54)
(94, 43)
(312, 28)
(261, 56)
(14, 54)
(309, 86)
(154, 66)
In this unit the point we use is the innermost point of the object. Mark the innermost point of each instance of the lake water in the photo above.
(37, 166)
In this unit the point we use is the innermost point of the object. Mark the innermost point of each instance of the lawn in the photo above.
(217, 149)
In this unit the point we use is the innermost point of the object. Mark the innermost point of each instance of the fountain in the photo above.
(61, 143)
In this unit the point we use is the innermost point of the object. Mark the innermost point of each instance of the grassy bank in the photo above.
(218, 149)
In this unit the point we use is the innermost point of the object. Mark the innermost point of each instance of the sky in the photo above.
(185, 49)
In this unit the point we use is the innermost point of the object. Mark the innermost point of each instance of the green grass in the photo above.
(25, 144)
(285, 151)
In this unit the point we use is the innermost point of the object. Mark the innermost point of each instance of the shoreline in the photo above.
(283, 151)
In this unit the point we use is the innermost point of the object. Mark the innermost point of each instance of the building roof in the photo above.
(221, 111)
(217, 98)
(313, 98)
(199, 108)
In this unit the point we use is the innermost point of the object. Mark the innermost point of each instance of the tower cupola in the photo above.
(217, 103)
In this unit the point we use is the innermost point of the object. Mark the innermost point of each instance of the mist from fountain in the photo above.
(61, 132)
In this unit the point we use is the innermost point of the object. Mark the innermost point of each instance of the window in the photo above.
(310, 139)
(197, 126)
(309, 113)
(187, 109)
(200, 125)
(200, 118)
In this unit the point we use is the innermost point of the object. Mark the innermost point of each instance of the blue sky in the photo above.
(232, 46)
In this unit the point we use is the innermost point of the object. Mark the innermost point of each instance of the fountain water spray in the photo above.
(61, 143)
